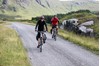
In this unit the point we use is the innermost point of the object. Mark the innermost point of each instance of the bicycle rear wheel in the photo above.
(41, 48)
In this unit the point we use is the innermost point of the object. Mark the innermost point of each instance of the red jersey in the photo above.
(54, 21)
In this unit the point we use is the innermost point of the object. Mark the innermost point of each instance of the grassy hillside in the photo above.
(32, 8)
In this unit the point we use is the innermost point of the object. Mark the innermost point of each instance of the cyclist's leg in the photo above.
(51, 29)
(57, 28)
(38, 40)
(53, 26)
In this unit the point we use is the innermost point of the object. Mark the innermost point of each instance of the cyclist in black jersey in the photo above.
(40, 27)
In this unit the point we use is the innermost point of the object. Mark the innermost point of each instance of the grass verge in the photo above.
(12, 53)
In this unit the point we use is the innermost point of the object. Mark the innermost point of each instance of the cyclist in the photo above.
(40, 24)
(54, 23)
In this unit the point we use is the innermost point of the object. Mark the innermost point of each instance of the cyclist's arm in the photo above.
(46, 26)
(58, 22)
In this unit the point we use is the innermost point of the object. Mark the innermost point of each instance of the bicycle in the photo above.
(42, 39)
(54, 34)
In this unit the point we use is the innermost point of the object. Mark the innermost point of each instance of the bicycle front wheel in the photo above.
(41, 48)
(40, 44)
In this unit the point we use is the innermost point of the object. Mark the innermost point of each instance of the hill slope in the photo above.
(32, 8)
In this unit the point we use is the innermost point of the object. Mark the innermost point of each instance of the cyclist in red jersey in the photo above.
(54, 22)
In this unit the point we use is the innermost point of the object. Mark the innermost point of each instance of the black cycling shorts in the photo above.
(54, 26)
(38, 35)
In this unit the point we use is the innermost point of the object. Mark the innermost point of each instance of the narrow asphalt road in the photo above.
(55, 53)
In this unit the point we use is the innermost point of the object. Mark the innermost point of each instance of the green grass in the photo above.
(12, 52)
